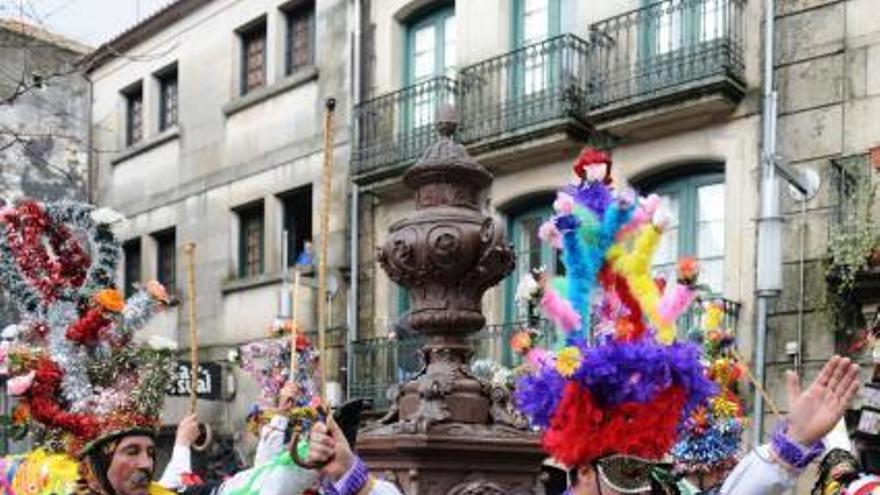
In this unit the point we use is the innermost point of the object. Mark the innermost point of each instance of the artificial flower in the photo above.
(19, 385)
(688, 270)
(521, 342)
(568, 360)
(713, 316)
(111, 300)
(157, 291)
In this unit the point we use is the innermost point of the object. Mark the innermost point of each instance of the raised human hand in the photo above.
(814, 412)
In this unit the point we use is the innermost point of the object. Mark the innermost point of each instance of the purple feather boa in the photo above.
(619, 372)
(537, 395)
(595, 196)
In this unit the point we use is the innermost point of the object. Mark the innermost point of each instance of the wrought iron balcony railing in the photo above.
(665, 48)
(665, 51)
(379, 363)
(535, 84)
(394, 129)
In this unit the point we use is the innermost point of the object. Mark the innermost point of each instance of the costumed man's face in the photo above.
(609, 478)
(588, 483)
(131, 466)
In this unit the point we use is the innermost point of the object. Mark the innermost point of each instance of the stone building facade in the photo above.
(209, 116)
(673, 88)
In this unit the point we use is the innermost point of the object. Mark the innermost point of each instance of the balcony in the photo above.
(394, 129)
(674, 60)
(542, 86)
(671, 65)
(531, 91)
(379, 363)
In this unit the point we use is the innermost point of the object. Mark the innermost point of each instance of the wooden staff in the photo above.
(294, 329)
(329, 108)
(760, 388)
(190, 251)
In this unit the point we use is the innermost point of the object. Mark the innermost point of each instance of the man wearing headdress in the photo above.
(611, 402)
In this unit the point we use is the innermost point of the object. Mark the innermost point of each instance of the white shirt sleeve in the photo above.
(758, 474)
(179, 464)
(384, 488)
(271, 440)
(276, 480)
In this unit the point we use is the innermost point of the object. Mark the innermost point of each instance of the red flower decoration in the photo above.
(87, 329)
(581, 431)
(44, 409)
(688, 270)
(302, 343)
(191, 479)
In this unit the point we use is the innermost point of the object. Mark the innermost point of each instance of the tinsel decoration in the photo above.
(709, 440)
(622, 384)
(268, 363)
(87, 377)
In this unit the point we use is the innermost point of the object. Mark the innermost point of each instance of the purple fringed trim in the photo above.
(792, 453)
(538, 394)
(621, 372)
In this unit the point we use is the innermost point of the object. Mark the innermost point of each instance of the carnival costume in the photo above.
(710, 439)
(82, 382)
(621, 390)
(622, 386)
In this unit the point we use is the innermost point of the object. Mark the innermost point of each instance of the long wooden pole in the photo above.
(294, 329)
(329, 108)
(190, 251)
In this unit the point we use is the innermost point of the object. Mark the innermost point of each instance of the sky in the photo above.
(88, 21)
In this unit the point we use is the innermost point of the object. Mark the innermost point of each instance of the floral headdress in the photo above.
(268, 362)
(622, 384)
(711, 436)
(75, 366)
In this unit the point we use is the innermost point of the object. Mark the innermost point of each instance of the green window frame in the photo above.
(532, 74)
(554, 22)
(690, 220)
(420, 110)
(437, 20)
(402, 303)
(530, 252)
(691, 26)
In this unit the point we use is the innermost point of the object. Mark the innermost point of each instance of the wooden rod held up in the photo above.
(327, 177)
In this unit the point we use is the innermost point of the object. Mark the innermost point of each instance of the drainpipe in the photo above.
(355, 201)
(769, 267)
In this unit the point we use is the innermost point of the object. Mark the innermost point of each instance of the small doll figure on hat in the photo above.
(593, 165)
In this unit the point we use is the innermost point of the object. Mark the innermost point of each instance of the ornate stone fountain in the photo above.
(450, 432)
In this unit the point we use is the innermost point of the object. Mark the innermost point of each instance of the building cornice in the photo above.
(141, 32)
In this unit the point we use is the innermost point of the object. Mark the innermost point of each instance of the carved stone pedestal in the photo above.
(450, 432)
(456, 459)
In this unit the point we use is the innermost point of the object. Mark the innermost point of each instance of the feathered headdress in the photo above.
(74, 364)
(711, 436)
(622, 384)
